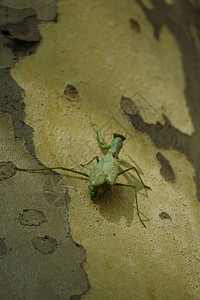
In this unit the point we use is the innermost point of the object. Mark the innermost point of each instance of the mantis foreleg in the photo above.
(100, 138)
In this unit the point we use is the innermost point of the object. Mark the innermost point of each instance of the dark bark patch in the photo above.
(32, 217)
(7, 169)
(166, 170)
(45, 245)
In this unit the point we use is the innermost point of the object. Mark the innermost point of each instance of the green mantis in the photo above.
(104, 175)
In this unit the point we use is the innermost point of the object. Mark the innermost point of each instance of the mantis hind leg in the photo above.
(136, 200)
(134, 168)
(54, 168)
(96, 157)
(100, 138)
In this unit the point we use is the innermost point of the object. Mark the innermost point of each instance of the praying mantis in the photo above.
(104, 175)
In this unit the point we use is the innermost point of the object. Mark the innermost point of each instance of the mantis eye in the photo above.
(93, 194)
(115, 135)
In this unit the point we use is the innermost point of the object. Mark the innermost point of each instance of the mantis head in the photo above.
(96, 191)
(117, 143)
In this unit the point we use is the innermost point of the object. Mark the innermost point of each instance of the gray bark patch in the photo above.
(54, 191)
(13, 15)
(3, 247)
(19, 37)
